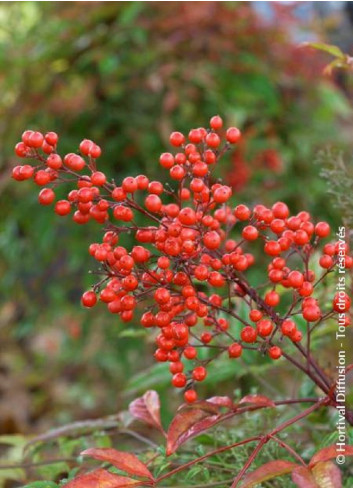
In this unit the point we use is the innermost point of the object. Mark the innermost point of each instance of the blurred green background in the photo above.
(125, 74)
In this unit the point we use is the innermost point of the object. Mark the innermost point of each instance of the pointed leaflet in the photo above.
(147, 409)
(223, 401)
(328, 453)
(268, 471)
(102, 478)
(208, 407)
(190, 422)
(303, 477)
(327, 474)
(257, 399)
(327, 48)
(125, 461)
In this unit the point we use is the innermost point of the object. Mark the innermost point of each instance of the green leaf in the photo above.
(327, 48)
(42, 484)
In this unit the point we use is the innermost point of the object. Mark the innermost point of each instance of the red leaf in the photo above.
(147, 409)
(190, 422)
(328, 453)
(268, 471)
(303, 477)
(206, 406)
(222, 401)
(327, 474)
(125, 461)
(257, 399)
(102, 478)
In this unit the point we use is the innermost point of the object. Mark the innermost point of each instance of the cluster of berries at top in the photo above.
(187, 271)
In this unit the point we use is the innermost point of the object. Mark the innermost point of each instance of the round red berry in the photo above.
(235, 350)
(179, 380)
(322, 229)
(248, 334)
(89, 299)
(233, 135)
(46, 196)
(275, 352)
(190, 396)
(199, 373)
(177, 139)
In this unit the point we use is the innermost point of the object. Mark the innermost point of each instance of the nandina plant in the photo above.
(186, 277)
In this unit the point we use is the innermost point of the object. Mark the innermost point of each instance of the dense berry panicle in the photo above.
(186, 273)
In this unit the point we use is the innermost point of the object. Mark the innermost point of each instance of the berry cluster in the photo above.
(188, 267)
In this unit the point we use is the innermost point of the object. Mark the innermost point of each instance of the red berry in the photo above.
(288, 327)
(155, 188)
(190, 352)
(24, 172)
(153, 203)
(35, 140)
(311, 313)
(306, 289)
(213, 140)
(341, 302)
(98, 178)
(190, 396)
(89, 299)
(275, 352)
(199, 374)
(201, 272)
(248, 334)
(162, 295)
(250, 233)
(195, 136)
(179, 380)
(280, 210)
(255, 315)
(301, 237)
(272, 248)
(264, 327)
(95, 151)
(85, 146)
(233, 135)
(42, 177)
(296, 336)
(222, 194)
(46, 196)
(216, 123)
(209, 157)
(212, 240)
(177, 139)
(161, 355)
(187, 216)
(62, 207)
(54, 161)
(177, 172)
(166, 160)
(326, 261)
(295, 279)
(176, 367)
(235, 350)
(129, 185)
(242, 212)
(21, 150)
(322, 229)
(51, 138)
(147, 320)
(206, 338)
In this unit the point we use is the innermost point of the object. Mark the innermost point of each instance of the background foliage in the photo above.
(125, 74)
